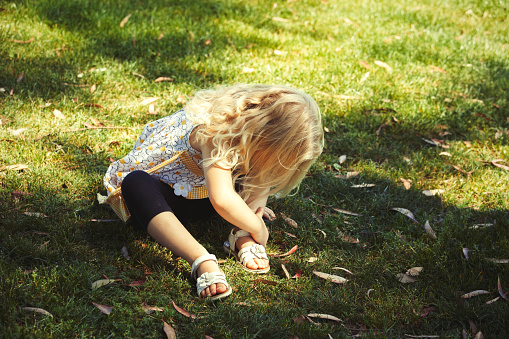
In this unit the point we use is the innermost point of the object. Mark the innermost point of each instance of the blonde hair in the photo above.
(267, 135)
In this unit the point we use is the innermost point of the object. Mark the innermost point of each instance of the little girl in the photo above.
(227, 151)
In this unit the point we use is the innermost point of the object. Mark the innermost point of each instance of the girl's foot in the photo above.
(254, 264)
(214, 289)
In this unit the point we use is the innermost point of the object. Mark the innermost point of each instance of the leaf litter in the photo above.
(183, 311)
(406, 213)
(38, 310)
(333, 278)
(103, 308)
(169, 331)
(292, 250)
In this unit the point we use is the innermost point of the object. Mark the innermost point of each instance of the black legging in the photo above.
(146, 197)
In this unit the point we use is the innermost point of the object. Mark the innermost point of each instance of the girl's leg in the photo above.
(147, 200)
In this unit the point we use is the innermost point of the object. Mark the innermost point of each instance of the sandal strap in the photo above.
(255, 251)
(234, 236)
(199, 261)
(210, 278)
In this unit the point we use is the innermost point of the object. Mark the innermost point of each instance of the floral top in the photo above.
(161, 140)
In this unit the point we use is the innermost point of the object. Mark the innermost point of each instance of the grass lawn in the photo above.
(414, 97)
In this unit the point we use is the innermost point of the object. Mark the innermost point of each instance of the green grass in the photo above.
(450, 73)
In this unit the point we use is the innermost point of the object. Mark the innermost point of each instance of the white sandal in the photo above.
(209, 278)
(255, 251)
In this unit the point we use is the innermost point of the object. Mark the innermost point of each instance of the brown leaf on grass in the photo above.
(498, 261)
(499, 285)
(414, 271)
(405, 278)
(100, 283)
(161, 79)
(96, 122)
(457, 168)
(182, 311)
(93, 88)
(136, 283)
(23, 41)
(492, 301)
(20, 77)
(103, 308)
(474, 294)
(87, 125)
(266, 282)
(429, 230)
(139, 75)
(446, 154)
(333, 278)
(437, 69)
(247, 70)
(324, 316)
(290, 235)
(292, 250)
(427, 310)
(342, 269)
(431, 193)
(297, 274)
(496, 163)
(151, 109)
(148, 101)
(479, 335)
(278, 19)
(124, 20)
(364, 64)
(57, 114)
(285, 271)
(278, 52)
(345, 212)
(41, 233)
(150, 309)
(35, 214)
(21, 193)
(17, 167)
(363, 186)
(348, 175)
(349, 239)
(383, 65)
(379, 130)
(289, 221)
(169, 331)
(317, 218)
(406, 213)
(465, 252)
(311, 259)
(407, 183)
(17, 132)
(38, 310)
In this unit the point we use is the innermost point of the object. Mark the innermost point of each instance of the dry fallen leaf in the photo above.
(93, 88)
(474, 293)
(496, 163)
(247, 70)
(100, 283)
(333, 278)
(345, 212)
(446, 154)
(311, 259)
(279, 19)
(58, 114)
(96, 122)
(181, 99)
(348, 175)
(266, 282)
(480, 226)
(161, 79)
(35, 214)
(124, 20)
(407, 183)
(297, 274)
(290, 235)
(430, 193)
(502, 294)
(103, 308)
(148, 101)
(406, 213)
(492, 301)
(136, 283)
(169, 331)
(405, 278)
(342, 159)
(342, 269)
(383, 65)
(285, 271)
(429, 230)
(289, 221)
(38, 310)
(465, 252)
(182, 311)
(150, 309)
(479, 335)
(498, 261)
(363, 186)
(292, 250)
(437, 69)
(414, 271)
(324, 316)
(364, 78)
(278, 52)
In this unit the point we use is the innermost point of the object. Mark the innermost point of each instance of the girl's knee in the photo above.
(134, 182)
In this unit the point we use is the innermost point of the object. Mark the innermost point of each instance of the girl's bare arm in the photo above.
(229, 204)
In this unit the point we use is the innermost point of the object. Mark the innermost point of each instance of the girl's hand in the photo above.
(269, 214)
(262, 235)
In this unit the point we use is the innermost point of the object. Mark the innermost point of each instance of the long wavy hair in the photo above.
(267, 135)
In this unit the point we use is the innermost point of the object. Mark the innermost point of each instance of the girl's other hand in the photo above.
(262, 236)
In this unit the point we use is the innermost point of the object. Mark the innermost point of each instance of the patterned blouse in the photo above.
(161, 140)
